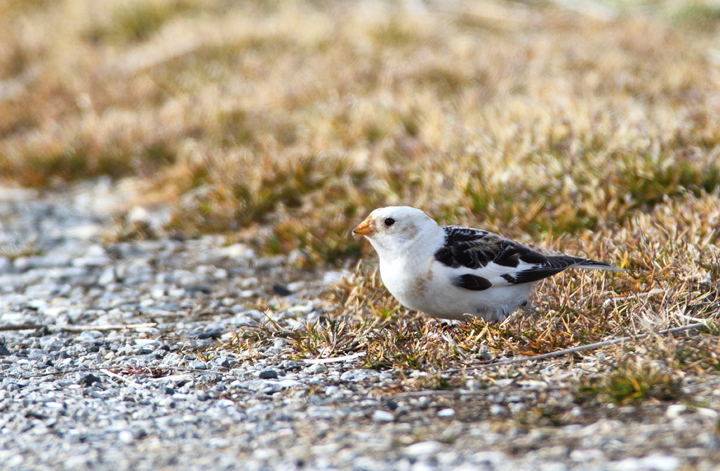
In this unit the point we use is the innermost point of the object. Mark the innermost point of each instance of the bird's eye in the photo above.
(389, 222)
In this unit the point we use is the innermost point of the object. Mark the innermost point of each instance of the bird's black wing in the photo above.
(496, 260)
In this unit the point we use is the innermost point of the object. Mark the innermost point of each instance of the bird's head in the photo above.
(396, 228)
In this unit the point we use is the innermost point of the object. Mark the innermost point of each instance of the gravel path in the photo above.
(96, 399)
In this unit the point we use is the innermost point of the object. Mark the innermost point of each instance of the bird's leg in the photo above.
(527, 308)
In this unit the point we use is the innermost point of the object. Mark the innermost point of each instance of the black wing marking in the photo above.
(465, 247)
(472, 282)
(474, 248)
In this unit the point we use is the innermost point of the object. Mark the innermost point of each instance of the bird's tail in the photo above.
(588, 264)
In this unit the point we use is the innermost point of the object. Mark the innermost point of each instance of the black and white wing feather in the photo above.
(493, 260)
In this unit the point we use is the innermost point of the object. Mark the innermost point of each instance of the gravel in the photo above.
(144, 398)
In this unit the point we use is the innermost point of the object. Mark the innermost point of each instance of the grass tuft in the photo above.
(631, 382)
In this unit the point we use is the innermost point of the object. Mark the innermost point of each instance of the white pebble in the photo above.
(649, 463)
(673, 411)
(288, 383)
(107, 277)
(126, 436)
(583, 456)
(709, 413)
(383, 416)
(423, 448)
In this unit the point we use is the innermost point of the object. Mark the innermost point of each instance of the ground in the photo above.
(195, 168)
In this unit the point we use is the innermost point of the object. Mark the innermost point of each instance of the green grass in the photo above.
(632, 382)
(698, 17)
(138, 21)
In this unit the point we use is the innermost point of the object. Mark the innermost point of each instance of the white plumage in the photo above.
(452, 271)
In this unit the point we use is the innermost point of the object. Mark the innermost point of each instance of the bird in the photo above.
(452, 272)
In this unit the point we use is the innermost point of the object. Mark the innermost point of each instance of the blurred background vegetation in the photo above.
(284, 122)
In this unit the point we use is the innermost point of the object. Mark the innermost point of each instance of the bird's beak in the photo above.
(363, 228)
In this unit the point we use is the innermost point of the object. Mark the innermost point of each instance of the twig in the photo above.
(481, 392)
(652, 292)
(84, 328)
(5, 328)
(76, 328)
(567, 351)
(113, 375)
(316, 361)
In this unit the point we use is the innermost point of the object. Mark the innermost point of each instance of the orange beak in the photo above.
(363, 228)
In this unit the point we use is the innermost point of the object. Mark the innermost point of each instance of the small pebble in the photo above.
(317, 368)
(268, 374)
(383, 416)
(88, 380)
(653, 462)
(126, 436)
(674, 410)
(584, 456)
(212, 334)
(446, 412)
(281, 290)
(107, 277)
(423, 448)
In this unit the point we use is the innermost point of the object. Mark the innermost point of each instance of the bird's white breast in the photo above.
(408, 282)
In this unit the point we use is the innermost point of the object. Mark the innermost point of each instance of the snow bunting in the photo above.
(452, 271)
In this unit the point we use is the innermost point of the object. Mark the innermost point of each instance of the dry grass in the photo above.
(285, 122)
(575, 308)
